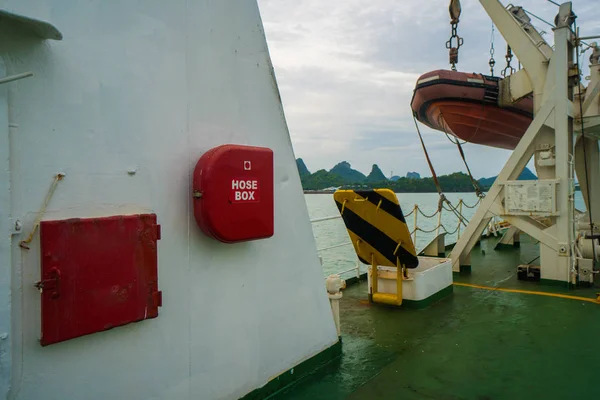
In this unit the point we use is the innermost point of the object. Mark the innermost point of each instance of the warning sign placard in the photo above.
(530, 197)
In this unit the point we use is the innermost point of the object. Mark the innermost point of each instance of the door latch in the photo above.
(51, 283)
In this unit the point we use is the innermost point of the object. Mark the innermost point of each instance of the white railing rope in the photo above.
(325, 218)
(335, 246)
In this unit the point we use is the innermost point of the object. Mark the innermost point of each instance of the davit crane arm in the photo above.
(561, 138)
(531, 49)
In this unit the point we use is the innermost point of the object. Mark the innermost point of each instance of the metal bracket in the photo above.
(42, 29)
(563, 249)
(17, 227)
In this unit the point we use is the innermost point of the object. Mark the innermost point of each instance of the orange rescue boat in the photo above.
(466, 106)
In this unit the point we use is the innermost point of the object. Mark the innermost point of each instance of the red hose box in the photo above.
(233, 193)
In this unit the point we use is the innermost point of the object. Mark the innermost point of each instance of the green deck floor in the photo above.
(475, 344)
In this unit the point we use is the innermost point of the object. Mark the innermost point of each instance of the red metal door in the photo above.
(97, 273)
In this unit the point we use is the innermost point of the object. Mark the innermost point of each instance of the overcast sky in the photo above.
(346, 70)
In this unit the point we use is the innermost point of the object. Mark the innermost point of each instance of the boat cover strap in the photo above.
(442, 198)
(433, 174)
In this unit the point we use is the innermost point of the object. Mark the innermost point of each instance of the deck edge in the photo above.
(296, 374)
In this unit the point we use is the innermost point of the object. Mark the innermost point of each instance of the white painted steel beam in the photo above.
(526, 43)
(564, 150)
(550, 131)
(514, 166)
(514, 87)
(435, 247)
(509, 236)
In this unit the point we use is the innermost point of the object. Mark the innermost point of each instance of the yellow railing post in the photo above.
(374, 275)
(399, 279)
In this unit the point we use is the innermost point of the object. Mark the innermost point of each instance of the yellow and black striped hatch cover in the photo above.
(377, 227)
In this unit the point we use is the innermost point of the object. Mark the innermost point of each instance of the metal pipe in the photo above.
(334, 285)
(11, 78)
(8, 325)
(589, 37)
(334, 301)
(572, 275)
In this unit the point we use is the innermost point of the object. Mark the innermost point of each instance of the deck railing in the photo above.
(492, 228)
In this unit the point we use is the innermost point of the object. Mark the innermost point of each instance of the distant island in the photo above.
(342, 175)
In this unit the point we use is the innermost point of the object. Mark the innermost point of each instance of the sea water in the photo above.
(333, 232)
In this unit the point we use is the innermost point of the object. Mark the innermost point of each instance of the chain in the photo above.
(492, 61)
(455, 41)
(453, 44)
(509, 69)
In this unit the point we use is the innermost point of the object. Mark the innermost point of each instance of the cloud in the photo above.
(347, 68)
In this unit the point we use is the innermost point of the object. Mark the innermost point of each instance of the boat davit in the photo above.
(465, 105)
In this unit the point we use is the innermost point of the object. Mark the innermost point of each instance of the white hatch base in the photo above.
(430, 277)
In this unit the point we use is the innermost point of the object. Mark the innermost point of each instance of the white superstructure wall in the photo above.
(124, 106)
